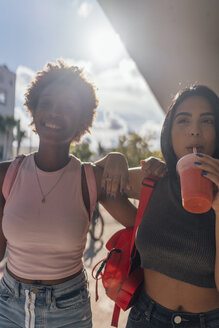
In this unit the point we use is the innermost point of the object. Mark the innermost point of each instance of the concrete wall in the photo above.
(174, 43)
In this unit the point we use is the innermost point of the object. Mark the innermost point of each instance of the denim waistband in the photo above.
(150, 307)
(19, 287)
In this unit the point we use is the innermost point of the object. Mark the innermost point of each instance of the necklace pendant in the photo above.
(43, 199)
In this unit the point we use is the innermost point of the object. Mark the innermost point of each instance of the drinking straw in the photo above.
(194, 149)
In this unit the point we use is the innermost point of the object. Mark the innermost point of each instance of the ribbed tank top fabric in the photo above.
(175, 242)
(45, 241)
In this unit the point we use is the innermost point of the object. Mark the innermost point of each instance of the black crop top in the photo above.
(175, 242)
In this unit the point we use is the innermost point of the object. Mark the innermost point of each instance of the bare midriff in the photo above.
(178, 295)
(43, 282)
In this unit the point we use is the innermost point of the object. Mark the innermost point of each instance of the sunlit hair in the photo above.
(73, 77)
(166, 140)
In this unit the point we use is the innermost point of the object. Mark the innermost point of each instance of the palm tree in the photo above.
(2, 131)
(20, 135)
(9, 124)
(2, 124)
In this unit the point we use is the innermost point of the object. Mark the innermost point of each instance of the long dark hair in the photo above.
(166, 140)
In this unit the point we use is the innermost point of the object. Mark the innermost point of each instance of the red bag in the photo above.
(120, 271)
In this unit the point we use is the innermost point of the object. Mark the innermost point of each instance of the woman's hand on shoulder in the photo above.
(115, 174)
(153, 166)
(210, 167)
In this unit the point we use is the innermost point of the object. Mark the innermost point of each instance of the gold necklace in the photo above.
(43, 200)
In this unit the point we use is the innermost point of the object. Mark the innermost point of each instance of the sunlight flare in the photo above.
(105, 46)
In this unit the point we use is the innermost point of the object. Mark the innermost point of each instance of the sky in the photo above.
(35, 32)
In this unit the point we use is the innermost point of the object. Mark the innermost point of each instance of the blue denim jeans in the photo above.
(65, 305)
(146, 313)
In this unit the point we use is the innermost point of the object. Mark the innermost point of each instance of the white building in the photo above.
(7, 100)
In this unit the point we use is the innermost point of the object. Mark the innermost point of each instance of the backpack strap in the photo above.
(148, 185)
(91, 185)
(115, 317)
(11, 175)
(147, 188)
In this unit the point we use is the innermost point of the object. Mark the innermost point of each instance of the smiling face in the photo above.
(58, 114)
(193, 126)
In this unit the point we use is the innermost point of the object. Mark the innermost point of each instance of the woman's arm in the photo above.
(119, 207)
(210, 168)
(154, 166)
(151, 166)
(3, 169)
(116, 175)
(116, 171)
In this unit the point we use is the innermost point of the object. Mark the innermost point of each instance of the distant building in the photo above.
(7, 101)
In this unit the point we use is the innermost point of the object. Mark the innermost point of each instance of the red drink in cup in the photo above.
(196, 190)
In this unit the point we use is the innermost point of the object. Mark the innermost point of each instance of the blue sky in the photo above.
(37, 31)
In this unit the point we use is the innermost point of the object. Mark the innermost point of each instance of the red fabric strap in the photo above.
(115, 318)
(126, 292)
(146, 191)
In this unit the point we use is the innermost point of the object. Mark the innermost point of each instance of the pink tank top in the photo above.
(45, 241)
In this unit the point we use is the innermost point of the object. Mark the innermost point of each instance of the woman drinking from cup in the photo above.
(179, 250)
